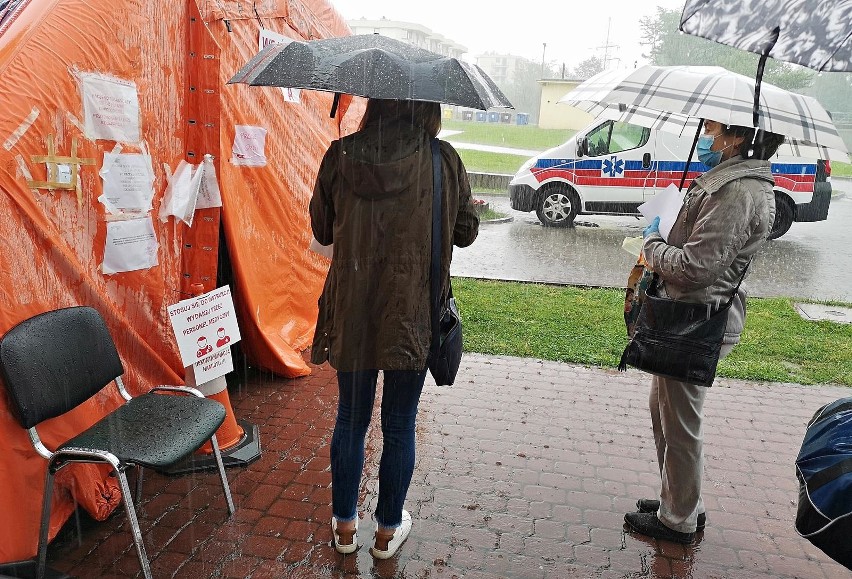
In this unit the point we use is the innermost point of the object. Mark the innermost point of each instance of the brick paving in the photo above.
(525, 469)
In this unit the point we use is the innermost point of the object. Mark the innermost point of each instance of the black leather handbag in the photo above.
(677, 339)
(446, 346)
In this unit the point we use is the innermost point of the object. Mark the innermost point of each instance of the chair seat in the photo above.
(153, 430)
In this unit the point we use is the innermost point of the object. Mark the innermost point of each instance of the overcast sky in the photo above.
(573, 30)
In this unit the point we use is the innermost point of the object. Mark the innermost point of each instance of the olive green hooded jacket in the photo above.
(373, 201)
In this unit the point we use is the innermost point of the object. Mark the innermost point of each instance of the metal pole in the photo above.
(543, 50)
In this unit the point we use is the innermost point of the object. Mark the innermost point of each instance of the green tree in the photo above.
(666, 46)
(523, 89)
(589, 67)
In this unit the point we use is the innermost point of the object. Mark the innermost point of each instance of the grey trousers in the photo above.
(677, 410)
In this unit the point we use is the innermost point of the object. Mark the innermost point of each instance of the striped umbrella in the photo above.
(667, 97)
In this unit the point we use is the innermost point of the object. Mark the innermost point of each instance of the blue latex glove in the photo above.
(654, 227)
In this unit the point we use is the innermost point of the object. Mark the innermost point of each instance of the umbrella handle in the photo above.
(761, 64)
(334, 104)
(691, 151)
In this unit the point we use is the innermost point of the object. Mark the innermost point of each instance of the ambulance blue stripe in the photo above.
(667, 166)
(793, 169)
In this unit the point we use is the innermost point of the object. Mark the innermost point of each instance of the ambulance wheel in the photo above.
(557, 206)
(783, 216)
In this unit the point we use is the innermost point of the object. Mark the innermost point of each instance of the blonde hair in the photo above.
(418, 113)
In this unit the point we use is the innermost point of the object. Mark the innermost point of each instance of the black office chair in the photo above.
(55, 361)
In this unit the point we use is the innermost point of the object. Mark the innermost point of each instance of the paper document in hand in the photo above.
(666, 204)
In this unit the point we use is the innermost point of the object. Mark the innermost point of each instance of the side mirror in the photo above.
(582, 147)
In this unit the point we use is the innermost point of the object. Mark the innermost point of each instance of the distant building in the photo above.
(410, 33)
(560, 116)
(502, 68)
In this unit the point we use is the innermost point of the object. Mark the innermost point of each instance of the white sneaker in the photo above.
(399, 537)
(349, 547)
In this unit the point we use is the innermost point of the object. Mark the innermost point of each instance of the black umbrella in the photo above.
(812, 33)
(372, 66)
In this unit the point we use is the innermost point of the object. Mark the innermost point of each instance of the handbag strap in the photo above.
(435, 274)
(652, 286)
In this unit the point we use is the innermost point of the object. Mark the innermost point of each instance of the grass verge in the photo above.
(482, 162)
(501, 135)
(586, 326)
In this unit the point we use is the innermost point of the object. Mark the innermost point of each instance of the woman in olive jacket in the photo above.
(373, 201)
(725, 219)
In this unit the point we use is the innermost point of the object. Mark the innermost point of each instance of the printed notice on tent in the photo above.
(249, 146)
(204, 325)
(110, 108)
(213, 366)
(130, 245)
(267, 37)
(666, 204)
(128, 182)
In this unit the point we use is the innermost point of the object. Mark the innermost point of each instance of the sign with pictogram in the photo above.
(204, 325)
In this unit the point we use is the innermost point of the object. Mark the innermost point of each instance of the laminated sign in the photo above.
(205, 328)
(110, 108)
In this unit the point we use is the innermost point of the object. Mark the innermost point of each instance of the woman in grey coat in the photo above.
(726, 217)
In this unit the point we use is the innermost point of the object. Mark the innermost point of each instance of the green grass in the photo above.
(586, 326)
(482, 162)
(839, 169)
(514, 136)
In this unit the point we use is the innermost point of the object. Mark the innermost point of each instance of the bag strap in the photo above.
(652, 286)
(829, 474)
(435, 275)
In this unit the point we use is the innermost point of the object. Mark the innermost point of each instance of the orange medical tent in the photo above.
(101, 102)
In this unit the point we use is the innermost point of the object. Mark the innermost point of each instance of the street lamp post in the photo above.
(543, 51)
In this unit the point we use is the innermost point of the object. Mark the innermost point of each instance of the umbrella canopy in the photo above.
(812, 33)
(665, 97)
(372, 66)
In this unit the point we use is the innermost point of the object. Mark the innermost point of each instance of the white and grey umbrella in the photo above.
(667, 97)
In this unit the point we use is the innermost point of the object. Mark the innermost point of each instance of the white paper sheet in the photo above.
(213, 366)
(128, 182)
(204, 325)
(208, 193)
(249, 149)
(181, 194)
(666, 204)
(130, 245)
(110, 108)
(323, 250)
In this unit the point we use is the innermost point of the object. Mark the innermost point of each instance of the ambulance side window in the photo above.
(615, 137)
(625, 136)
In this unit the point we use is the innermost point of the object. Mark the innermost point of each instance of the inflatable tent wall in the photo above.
(90, 85)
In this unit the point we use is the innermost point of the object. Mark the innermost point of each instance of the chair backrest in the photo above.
(56, 360)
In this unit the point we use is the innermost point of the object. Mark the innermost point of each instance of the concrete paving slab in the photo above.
(525, 469)
(817, 312)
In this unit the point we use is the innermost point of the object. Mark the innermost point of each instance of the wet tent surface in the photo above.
(524, 469)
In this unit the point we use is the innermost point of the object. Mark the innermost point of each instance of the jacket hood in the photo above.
(379, 162)
(734, 168)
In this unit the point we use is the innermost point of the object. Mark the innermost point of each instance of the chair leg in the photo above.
(225, 487)
(45, 522)
(140, 474)
(134, 523)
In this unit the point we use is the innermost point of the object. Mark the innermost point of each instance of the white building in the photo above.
(409, 32)
(502, 68)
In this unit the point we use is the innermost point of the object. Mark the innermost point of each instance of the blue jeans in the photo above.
(400, 396)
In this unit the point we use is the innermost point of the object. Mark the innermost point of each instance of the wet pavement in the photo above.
(813, 260)
(524, 470)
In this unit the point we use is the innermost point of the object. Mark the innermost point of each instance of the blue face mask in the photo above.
(705, 155)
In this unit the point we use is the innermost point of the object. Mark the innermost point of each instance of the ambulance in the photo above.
(611, 167)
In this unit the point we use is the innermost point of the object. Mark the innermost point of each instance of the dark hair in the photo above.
(765, 143)
(418, 113)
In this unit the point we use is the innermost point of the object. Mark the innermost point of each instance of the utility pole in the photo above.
(607, 45)
(543, 51)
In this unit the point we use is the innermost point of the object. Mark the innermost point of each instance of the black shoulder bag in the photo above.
(677, 339)
(446, 347)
